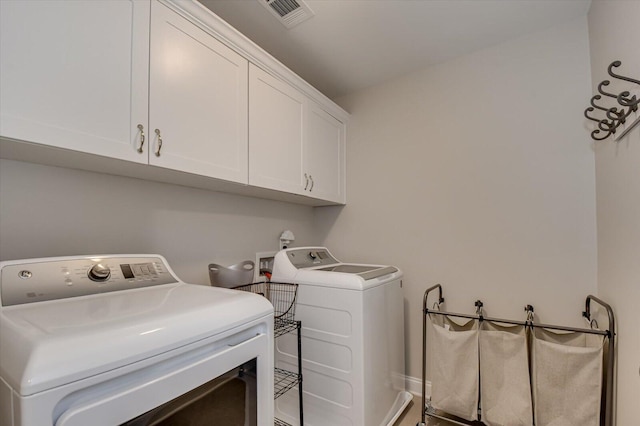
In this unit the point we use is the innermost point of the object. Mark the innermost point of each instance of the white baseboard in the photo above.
(414, 385)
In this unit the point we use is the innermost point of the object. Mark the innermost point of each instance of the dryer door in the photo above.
(139, 395)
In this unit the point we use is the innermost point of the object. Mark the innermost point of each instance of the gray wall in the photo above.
(612, 27)
(52, 211)
(477, 174)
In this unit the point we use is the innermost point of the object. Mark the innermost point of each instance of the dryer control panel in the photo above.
(60, 278)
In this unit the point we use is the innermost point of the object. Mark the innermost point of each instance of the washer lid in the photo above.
(317, 266)
(367, 272)
(372, 276)
(52, 343)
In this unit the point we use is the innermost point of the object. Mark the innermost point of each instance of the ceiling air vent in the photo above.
(289, 12)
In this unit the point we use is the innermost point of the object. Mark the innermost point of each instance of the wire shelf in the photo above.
(281, 326)
(283, 298)
(283, 381)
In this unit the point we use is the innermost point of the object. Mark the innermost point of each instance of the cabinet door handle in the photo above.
(159, 143)
(311, 179)
(306, 179)
(141, 128)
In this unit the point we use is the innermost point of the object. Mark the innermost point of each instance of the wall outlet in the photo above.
(264, 266)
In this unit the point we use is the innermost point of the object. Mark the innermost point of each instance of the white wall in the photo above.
(614, 35)
(477, 174)
(51, 211)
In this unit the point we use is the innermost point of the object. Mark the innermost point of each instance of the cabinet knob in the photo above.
(141, 128)
(159, 143)
(306, 179)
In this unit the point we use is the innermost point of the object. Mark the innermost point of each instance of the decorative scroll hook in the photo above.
(595, 132)
(608, 126)
(593, 104)
(604, 125)
(606, 83)
(614, 116)
(624, 100)
(616, 64)
(590, 109)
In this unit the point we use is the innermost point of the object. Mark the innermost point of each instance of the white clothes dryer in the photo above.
(352, 340)
(119, 340)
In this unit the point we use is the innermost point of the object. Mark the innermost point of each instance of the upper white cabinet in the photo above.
(198, 100)
(324, 160)
(294, 145)
(167, 87)
(74, 74)
(276, 114)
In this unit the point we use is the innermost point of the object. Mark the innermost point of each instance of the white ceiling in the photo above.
(352, 44)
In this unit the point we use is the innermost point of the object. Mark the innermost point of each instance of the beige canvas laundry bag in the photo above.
(567, 378)
(505, 387)
(455, 369)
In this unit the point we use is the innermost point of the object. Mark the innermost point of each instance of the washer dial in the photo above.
(99, 273)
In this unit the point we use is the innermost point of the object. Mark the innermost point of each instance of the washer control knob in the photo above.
(313, 255)
(99, 273)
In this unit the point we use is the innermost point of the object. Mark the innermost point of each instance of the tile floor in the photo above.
(412, 416)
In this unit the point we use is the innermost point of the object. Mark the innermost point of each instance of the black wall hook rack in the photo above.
(616, 115)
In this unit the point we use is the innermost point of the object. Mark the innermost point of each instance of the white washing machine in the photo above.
(352, 340)
(119, 340)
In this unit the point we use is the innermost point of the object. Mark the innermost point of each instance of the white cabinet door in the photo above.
(198, 100)
(324, 154)
(276, 114)
(73, 74)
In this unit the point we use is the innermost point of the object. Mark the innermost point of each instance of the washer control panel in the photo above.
(60, 278)
(308, 257)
